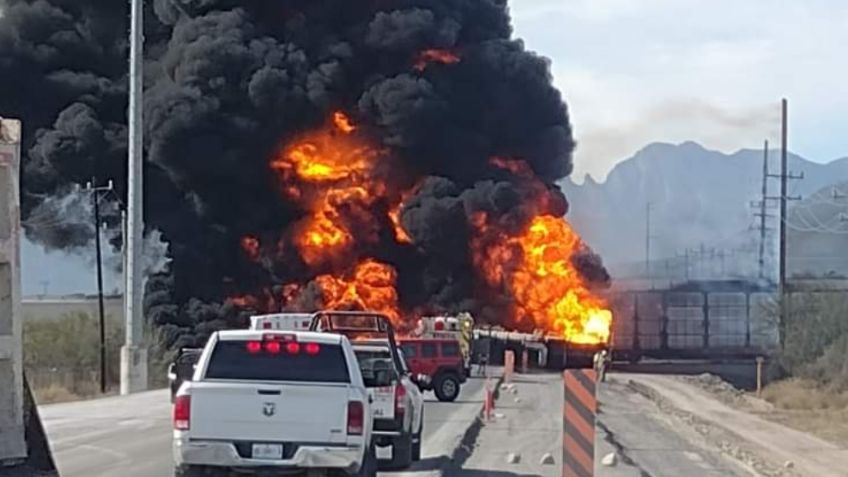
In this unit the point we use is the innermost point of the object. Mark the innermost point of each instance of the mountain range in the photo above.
(701, 205)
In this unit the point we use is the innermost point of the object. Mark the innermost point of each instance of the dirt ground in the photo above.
(795, 403)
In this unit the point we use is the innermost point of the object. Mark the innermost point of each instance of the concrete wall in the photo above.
(12, 443)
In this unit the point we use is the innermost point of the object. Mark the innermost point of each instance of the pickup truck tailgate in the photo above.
(274, 412)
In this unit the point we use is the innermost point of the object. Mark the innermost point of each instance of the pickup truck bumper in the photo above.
(224, 454)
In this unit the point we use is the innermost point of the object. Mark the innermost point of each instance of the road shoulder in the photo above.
(767, 447)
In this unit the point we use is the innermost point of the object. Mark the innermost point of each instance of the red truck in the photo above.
(440, 359)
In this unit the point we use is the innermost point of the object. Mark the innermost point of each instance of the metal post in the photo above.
(133, 355)
(784, 172)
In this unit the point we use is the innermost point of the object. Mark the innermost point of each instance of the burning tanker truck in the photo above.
(400, 157)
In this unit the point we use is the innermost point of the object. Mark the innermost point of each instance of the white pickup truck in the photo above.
(275, 403)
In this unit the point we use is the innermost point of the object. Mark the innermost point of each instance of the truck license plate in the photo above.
(268, 451)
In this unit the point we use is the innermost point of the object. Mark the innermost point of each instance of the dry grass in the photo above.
(53, 394)
(804, 395)
(807, 407)
(62, 357)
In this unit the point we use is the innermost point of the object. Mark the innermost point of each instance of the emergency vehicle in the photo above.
(459, 328)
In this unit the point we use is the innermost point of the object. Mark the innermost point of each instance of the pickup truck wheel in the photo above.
(446, 387)
(190, 471)
(402, 452)
(369, 464)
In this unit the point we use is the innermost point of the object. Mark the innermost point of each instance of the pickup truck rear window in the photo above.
(231, 360)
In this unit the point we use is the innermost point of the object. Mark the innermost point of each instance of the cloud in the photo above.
(711, 71)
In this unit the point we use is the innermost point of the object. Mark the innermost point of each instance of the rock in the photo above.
(513, 458)
(547, 459)
(504, 386)
(609, 460)
(499, 415)
(788, 464)
(514, 390)
(518, 399)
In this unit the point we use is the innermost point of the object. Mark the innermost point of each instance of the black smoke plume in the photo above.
(228, 82)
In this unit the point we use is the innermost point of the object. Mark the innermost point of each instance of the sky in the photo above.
(638, 71)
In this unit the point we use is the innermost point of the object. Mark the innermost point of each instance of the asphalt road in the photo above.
(528, 423)
(650, 443)
(131, 436)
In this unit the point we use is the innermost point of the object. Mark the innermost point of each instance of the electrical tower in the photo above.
(762, 214)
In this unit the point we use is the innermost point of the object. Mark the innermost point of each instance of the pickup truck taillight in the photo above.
(400, 400)
(182, 413)
(355, 418)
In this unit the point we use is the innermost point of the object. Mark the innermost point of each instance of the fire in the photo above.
(536, 268)
(427, 57)
(341, 183)
(370, 286)
(327, 155)
(250, 246)
(342, 122)
(330, 172)
(401, 234)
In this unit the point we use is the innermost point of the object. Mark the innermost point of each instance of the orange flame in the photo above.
(401, 235)
(370, 286)
(342, 122)
(327, 155)
(434, 55)
(536, 267)
(334, 171)
(250, 246)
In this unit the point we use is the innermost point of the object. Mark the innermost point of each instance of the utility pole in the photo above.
(95, 197)
(783, 173)
(784, 176)
(133, 353)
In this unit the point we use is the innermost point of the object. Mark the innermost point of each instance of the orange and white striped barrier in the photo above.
(509, 365)
(578, 423)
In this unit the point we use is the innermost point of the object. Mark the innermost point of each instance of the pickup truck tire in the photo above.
(368, 468)
(446, 387)
(197, 471)
(402, 452)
